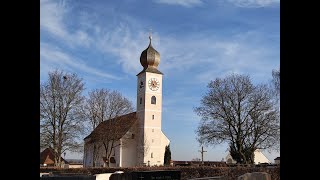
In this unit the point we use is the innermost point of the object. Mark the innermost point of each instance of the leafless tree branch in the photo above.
(239, 113)
(60, 116)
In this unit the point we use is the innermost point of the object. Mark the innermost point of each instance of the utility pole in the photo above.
(202, 151)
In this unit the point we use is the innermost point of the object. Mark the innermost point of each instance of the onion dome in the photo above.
(150, 59)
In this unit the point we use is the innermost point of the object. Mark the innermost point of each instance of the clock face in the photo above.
(154, 84)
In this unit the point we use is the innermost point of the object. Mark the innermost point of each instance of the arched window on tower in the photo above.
(153, 100)
(140, 100)
(151, 155)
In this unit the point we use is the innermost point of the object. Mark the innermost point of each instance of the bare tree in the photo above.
(276, 81)
(103, 104)
(143, 144)
(146, 145)
(111, 134)
(60, 117)
(241, 114)
(275, 85)
(96, 156)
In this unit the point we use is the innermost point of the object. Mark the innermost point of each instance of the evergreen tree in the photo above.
(167, 156)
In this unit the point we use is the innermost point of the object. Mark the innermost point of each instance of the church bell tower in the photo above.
(149, 109)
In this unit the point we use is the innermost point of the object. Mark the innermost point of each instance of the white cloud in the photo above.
(185, 3)
(239, 3)
(52, 15)
(207, 56)
(51, 57)
(203, 54)
(254, 3)
(125, 44)
(244, 59)
(118, 40)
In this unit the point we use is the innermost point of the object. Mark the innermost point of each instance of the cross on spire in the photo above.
(150, 34)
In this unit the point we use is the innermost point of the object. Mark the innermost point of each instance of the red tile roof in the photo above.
(47, 157)
(116, 127)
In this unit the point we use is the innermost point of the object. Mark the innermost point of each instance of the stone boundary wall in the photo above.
(231, 173)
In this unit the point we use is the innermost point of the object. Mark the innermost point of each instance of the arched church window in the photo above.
(152, 117)
(140, 100)
(151, 155)
(153, 100)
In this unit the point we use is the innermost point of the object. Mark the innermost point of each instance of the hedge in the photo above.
(187, 172)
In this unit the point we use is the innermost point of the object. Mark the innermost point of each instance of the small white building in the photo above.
(230, 160)
(136, 138)
(259, 157)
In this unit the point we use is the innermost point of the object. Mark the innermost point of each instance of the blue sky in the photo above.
(198, 40)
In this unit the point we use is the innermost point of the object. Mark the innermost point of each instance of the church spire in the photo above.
(150, 58)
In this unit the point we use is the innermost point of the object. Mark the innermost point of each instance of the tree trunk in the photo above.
(94, 157)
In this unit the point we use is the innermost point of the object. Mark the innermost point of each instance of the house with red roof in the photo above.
(47, 158)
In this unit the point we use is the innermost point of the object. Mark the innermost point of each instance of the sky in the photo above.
(198, 41)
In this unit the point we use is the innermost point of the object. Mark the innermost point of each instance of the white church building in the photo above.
(139, 139)
(259, 157)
